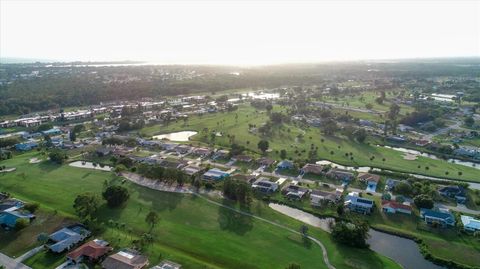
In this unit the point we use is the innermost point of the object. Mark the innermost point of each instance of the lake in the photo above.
(177, 136)
(403, 251)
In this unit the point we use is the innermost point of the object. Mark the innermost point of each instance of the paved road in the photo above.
(154, 184)
(462, 208)
(10, 263)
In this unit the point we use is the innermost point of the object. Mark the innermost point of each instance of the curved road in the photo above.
(152, 184)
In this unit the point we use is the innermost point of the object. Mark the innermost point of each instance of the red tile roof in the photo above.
(90, 249)
(395, 205)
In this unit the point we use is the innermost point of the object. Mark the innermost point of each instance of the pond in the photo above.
(89, 165)
(177, 136)
(403, 251)
(431, 156)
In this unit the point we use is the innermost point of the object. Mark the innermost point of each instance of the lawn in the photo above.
(329, 147)
(191, 231)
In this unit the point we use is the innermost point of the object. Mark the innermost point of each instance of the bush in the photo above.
(21, 223)
(31, 207)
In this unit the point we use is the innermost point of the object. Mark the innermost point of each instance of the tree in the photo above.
(86, 205)
(115, 195)
(263, 145)
(283, 154)
(57, 156)
(368, 106)
(78, 128)
(403, 188)
(360, 135)
(330, 127)
(293, 266)
(31, 207)
(423, 201)
(42, 238)
(469, 121)
(152, 219)
(393, 115)
(351, 234)
(72, 136)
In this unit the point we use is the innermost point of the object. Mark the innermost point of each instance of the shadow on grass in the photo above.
(48, 166)
(233, 221)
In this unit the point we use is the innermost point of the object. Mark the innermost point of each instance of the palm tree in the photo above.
(152, 219)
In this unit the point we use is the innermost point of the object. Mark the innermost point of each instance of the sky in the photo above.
(238, 33)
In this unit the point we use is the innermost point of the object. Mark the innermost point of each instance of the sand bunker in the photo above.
(34, 160)
(409, 157)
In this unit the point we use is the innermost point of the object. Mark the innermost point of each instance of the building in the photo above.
(339, 174)
(285, 164)
(192, 170)
(294, 192)
(358, 204)
(265, 186)
(470, 224)
(9, 218)
(317, 197)
(215, 174)
(221, 154)
(66, 238)
(26, 146)
(264, 161)
(91, 251)
(202, 152)
(125, 259)
(390, 184)
(167, 265)
(437, 218)
(394, 207)
(456, 192)
(309, 168)
(371, 180)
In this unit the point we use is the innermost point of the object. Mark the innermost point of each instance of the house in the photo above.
(173, 164)
(183, 149)
(264, 161)
(202, 152)
(390, 184)
(9, 218)
(422, 142)
(294, 192)
(285, 164)
(168, 146)
(358, 204)
(397, 138)
(265, 186)
(470, 224)
(437, 218)
(371, 180)
(309, 168)
(456, 192)
(242, 158)
(318, 196)
(394, 207)
(167, 265)
(221, 154)
(103, 151)
(339, 174)
(366, 177)
(125, 259)
(8, 205)
(26, 146)
(192, 170)
(91, 251)
(215, 174)
(66, 238)
(51, 132)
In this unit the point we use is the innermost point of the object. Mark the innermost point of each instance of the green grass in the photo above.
(191, 231)
(284, 137)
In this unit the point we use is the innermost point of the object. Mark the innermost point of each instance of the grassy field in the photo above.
(286, 137)
(191, 231)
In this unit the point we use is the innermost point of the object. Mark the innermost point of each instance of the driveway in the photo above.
(10, 263)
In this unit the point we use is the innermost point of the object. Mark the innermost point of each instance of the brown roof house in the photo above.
(91, 251)
(125, 259)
